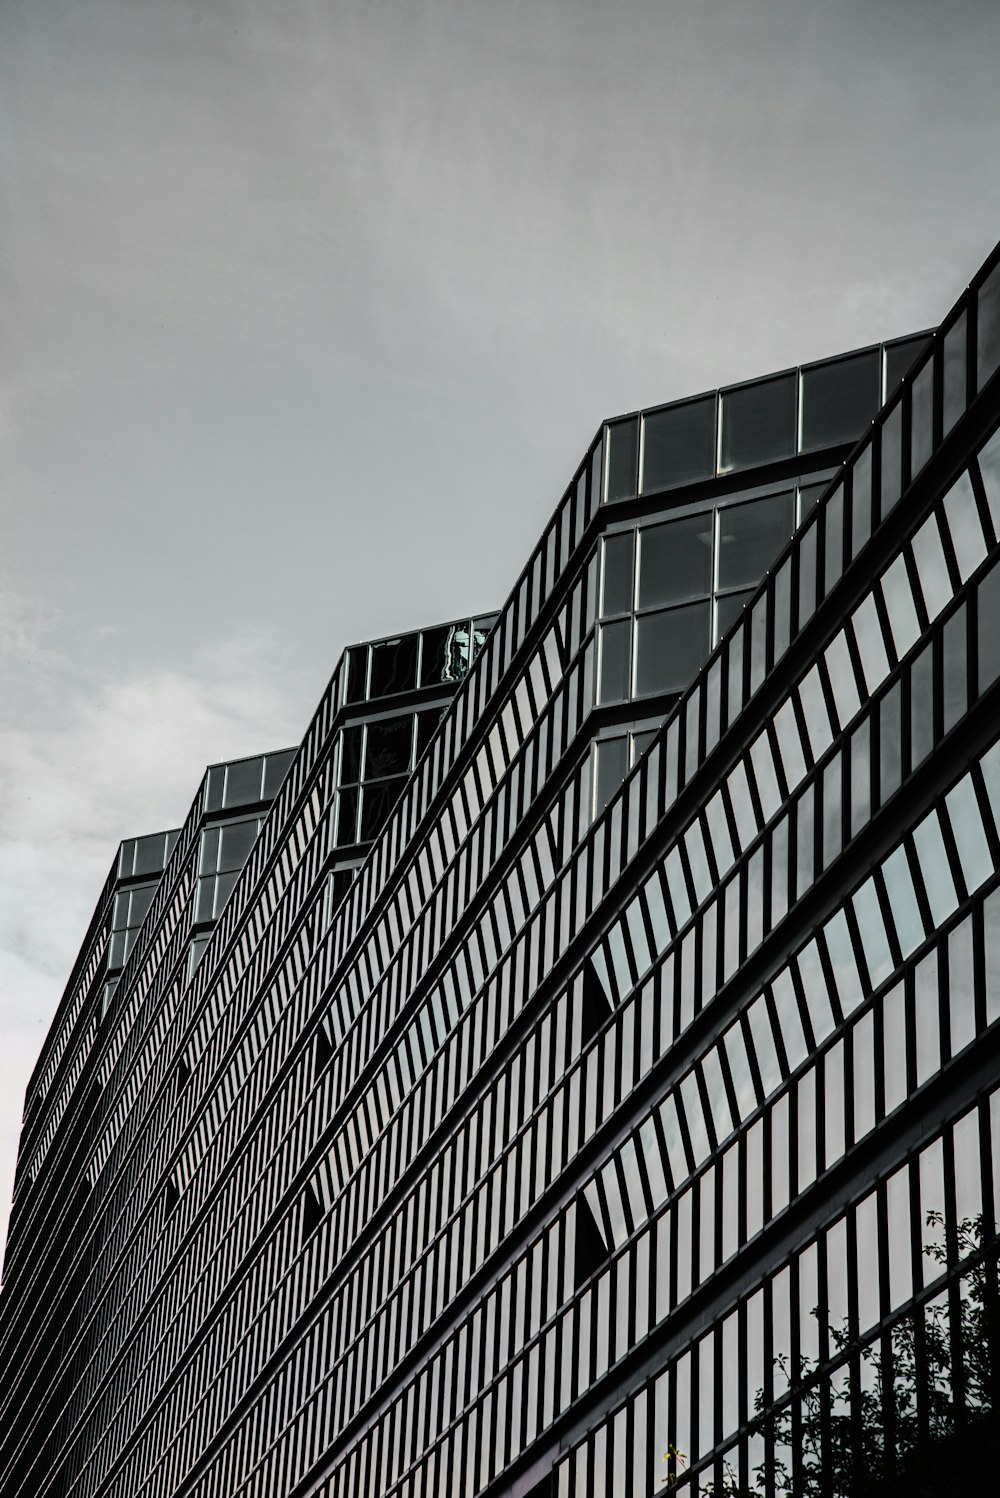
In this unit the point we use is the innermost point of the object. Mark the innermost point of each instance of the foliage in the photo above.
(918, 1417)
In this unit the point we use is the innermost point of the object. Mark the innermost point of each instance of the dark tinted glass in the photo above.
(445, 654)
(243, 782)
(357, 665)
(988, 327)
(623, 458)
(751, 536)
(675, 560)
(216, 781)
(376, 803)
(347, 817)
(808, 495)
(922, 417)
(839, 400)
(236, 844)
(480, 629)
(678, 444)
(955, 372)
(350, 754)
(275, 770)
(898, 359)
(394, 666)
(670, 647)
(149, 854)
(616, 593)
(387, 751)
(612, 764)
(758, 423)
(615, 660)
(426, 724)
(730, 608)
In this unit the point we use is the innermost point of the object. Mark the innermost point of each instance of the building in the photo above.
(621, 1108)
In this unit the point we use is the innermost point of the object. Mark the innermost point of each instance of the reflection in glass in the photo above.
(871, 645)
(393, 666)
(444, 654)
(970, 838)
(675, 560)
(758, 423)
(750, 537)
(833, 519)
(935, 868)
(903, 901)
(814, 710)
(839, 400)
(670, 646)
(678, 445)
(900, 607)
(932, 568)
(387, 748)
(962, 515)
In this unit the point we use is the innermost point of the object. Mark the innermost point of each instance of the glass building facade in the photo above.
(581, 1073)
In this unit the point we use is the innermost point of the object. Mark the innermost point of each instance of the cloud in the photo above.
(84, 765)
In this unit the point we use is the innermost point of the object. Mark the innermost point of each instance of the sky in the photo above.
(308, 309)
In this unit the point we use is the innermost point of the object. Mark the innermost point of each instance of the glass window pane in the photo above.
(357, 670)
(675, 560)
(899, 357)
(970, 839)
(861, 500)
(750, 537)
(393, 666)
(623, 458)
(387, 749)
(615, 661)
(962, 515)
(988, 327)
(729, 608)
(839, 400)
(922, 417)
(275, 770)
(871, 646)
(376, 804)
(935, 868)
(347, 817)
(815, 712)
(237, 841)
(955, 372)
(892, 451)
(243, 784)
(616, 590)
(444, 653)
(350, 754)
(900, 607)
(678, 444)
(988, 596)
(612, 766)
(670, 647)
(758, 423)
(903, 901)
(932, 567)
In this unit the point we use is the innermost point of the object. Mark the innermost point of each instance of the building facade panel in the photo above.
(580, 1074)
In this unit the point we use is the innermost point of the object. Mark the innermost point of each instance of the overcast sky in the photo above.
(309, 307)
